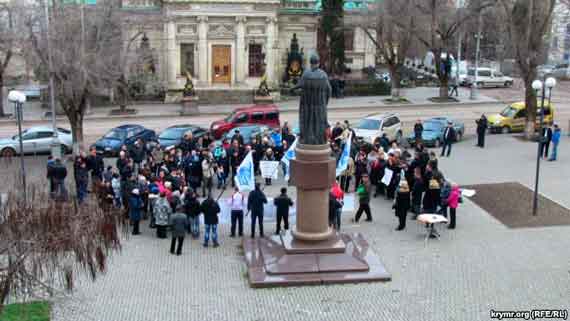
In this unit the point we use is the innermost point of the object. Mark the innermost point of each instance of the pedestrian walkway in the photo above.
(416, 96)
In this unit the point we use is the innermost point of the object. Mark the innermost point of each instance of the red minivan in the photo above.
(267, 115)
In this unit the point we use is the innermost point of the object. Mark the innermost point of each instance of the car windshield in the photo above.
(230, 117)
(116, 134)
(173, 133)
(432, 126)
(471, 72)
(368, 124)
(509, 112)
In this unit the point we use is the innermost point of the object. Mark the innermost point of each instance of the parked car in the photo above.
(433, 131)
(373, 126)
(35, 140)
(257, 114)
(562, 71)
(513, 118)
(248, 132)
(487, 77)
(173, 135)
(110, 144)
(545, 70)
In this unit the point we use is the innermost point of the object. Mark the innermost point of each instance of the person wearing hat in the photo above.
(432, 196)
(268, 157)
(135, 207)
(449, 137)
(402, 204)
(555, 141)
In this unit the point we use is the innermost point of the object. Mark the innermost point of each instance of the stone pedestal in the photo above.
(189, 106)
(262, 100)
(312, 253)
(312, 172)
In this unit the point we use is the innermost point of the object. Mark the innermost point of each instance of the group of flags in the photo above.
(245, 176)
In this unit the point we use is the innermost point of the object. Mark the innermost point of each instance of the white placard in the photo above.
(468, 192)
(387, 176)
(269, 169)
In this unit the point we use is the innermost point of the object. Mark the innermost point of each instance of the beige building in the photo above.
(232, 43)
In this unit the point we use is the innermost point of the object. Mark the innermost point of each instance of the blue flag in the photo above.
(343, 160)
(289, 155)
(245, 179)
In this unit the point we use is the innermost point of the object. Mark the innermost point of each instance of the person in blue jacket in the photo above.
(135, 207)
(555, 141)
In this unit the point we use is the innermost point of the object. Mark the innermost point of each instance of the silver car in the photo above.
(35, 140)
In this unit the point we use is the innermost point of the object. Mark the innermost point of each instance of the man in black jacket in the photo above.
(255, 202)
(138, 155)
(481, 129)
(96, 165)
(282, 203)
(418, 130)
(546, 138)
(449, 137)
(59, 173)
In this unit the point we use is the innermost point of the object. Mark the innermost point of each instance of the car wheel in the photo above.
(437, 143)
(8, 152)
(480, 84)
(65, 150)
(508, 83)
(505, 130)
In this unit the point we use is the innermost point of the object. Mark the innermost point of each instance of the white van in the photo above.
(373, 126)
(487, 77)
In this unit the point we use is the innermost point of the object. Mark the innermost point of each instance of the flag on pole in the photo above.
(289, 155)
(343, 160)
(245, 179)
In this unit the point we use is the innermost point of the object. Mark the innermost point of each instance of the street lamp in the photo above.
(537, 85)
(19, 98)
(55, 145)
(478, 36)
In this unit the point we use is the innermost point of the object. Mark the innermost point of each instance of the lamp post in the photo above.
(55, 145)
(478, 36)
(19, 98)
(540, 85)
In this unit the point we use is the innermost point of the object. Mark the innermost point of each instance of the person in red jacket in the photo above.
(453, 203)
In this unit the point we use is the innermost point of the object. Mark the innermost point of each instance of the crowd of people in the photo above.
(166, 186)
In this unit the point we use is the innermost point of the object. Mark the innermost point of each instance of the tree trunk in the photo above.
(443, 88)
(77, 134)
(395, 83)
(531, 105)
(2, 114)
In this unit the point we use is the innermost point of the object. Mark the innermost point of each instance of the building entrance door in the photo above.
(221, 64)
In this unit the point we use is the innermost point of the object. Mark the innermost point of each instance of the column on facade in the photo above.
(203, 49)
(171, 52)
(270, 52)
(240, 49)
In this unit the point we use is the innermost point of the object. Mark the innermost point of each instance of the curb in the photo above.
(281, 109)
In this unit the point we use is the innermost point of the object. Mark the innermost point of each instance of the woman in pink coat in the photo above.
(453, 202)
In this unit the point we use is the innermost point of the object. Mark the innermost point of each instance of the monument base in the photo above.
(281, 261)
(189, 106)
(262, 100)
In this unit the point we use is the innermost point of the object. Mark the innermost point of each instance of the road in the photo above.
(95, 128)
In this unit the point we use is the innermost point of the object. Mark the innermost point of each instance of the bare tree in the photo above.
(45, 244)
(528, 22)
(440, 22)
(392, 20)
(84, 63)
(7, 42)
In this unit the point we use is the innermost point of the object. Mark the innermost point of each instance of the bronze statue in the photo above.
(189, 86)
(263, 89)
(313, 121)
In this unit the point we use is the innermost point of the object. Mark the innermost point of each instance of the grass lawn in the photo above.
(32, 311)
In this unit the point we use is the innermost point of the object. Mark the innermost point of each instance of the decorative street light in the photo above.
(537, 85)
(19, 98)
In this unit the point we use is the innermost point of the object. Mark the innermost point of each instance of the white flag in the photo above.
(245, 179)
(289, 155)
(343, 160)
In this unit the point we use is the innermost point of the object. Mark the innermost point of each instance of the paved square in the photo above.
(482, 265)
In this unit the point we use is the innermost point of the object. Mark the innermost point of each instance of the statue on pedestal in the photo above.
(315, 97)
(189, 86)
(263, 89)
(294, 69)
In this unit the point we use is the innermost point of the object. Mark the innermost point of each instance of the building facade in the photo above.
(233, 43)
(559, 51)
